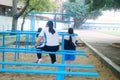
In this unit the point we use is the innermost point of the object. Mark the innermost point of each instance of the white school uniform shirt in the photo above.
(51, 39)
(74, 39)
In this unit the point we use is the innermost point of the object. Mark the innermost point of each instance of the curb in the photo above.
(107, 62)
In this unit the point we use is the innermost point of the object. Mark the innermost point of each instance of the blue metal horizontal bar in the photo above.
(33, 50)
(48, 65)
(49, 72)
(18, 32)
(52, 13)
(34, 32)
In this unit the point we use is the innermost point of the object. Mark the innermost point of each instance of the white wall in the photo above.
(6, 24)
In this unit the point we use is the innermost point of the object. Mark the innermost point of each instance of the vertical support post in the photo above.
(68, 21)
(55, 21)
(32, 22)
(27, 40)
(33, 37)
(61, 68)
(63, 56)
(32, 25)
(18, 42)
(3, 53)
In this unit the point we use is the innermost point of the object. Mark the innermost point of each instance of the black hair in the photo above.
(39, 30)
(50, 25)
(70, 31)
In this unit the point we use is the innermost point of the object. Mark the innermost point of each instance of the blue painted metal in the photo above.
(32, 17)
(34, 51)
(32, 22)
(3, 45)
(50, 72)
(34, 32)
(69, 21)
(26, 40)
(16, 55)
(52, 13)
(61, 77)
(88, 66)
(61, 67)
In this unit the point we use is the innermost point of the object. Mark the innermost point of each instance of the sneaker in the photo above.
(38, 61)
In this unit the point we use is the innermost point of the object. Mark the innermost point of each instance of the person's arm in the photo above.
(38, 40)
(76, 40)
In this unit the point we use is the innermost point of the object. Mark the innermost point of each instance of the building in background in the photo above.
(6, 7)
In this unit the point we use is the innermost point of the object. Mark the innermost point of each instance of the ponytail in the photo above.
(50, 25)
(70, 31)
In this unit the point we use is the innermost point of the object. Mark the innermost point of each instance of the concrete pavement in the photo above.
(100, 44)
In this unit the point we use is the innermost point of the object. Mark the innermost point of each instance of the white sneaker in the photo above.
(38, 61)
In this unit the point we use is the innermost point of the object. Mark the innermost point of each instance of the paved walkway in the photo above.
(102, 43)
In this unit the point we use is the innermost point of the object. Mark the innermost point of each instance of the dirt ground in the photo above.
(104, 72)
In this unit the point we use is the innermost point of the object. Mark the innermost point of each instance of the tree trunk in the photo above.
(17, 15)
(78, 22)
(14, 24)
(15, 19)
(23, 23)
(24, 16)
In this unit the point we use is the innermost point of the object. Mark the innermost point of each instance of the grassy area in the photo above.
(111, 32)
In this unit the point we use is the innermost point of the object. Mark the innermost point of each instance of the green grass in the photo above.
(115, 33)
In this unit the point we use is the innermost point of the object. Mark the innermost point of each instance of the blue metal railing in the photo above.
(61, 67)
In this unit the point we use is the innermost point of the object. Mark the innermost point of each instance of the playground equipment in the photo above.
(60, 73)
(29, 39)
(33, 18)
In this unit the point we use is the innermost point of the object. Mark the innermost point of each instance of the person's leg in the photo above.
(71, 59)
(53, 58)
(52, 49)
(39, 55)
(49, 48)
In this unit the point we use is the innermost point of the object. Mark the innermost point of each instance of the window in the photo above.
(5, 11)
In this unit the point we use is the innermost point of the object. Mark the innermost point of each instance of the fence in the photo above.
(60, 73)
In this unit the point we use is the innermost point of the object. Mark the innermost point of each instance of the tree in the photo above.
(103, 4)
(85, 9)
(31, 5)
(78, 9)
(16, 15)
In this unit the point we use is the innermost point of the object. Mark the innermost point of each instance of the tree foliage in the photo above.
(31, 5)
(95, 5)
(43, 5)
(84, 9)
(103, 4)
(79, 10)
(112, 4)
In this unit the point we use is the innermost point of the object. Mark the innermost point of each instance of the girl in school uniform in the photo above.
(70, 44)
(51, 42)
